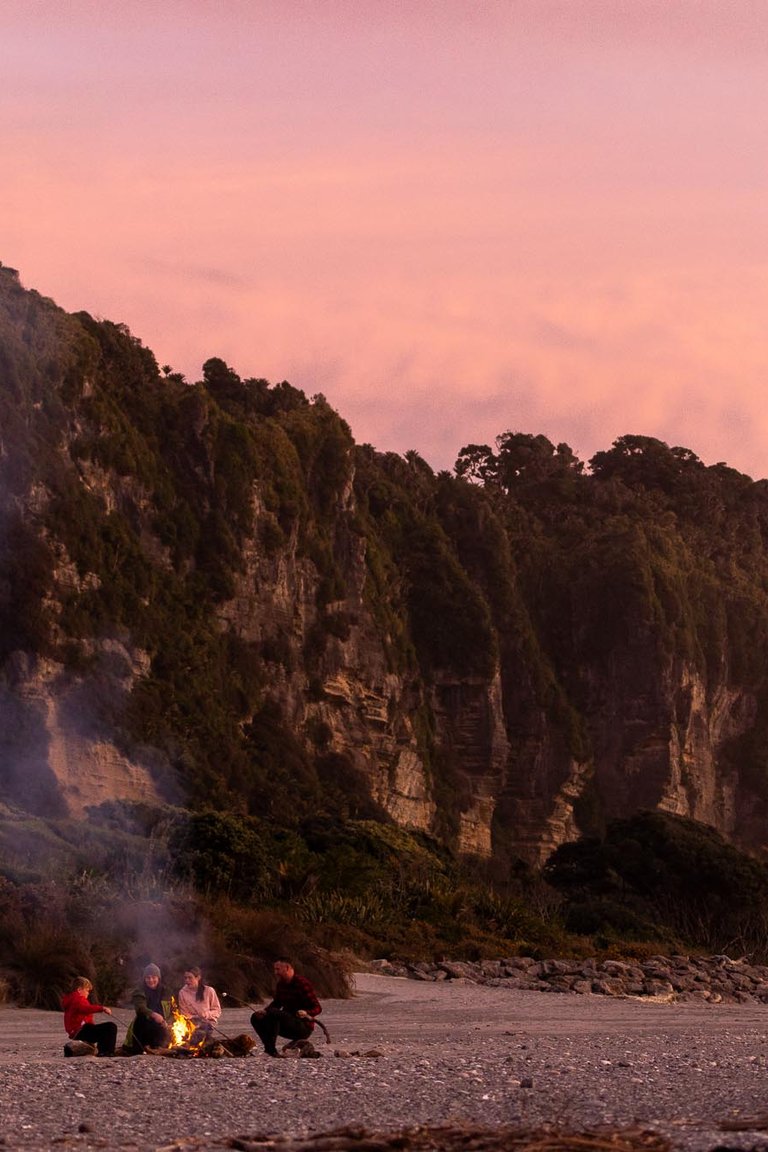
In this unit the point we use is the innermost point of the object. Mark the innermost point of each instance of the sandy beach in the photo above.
(450, 1052)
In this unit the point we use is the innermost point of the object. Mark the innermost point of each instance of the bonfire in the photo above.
(184, 1032)
(187, 1041)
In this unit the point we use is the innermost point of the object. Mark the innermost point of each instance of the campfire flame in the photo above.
(182, 1029)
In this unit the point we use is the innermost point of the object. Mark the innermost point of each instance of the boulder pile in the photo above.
(716, 979)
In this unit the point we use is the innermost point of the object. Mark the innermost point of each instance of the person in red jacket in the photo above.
(78, 1019)
(290, 1013)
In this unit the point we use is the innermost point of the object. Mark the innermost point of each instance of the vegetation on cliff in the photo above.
(138, 508)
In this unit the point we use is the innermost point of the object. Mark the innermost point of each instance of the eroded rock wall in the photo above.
(485, 748)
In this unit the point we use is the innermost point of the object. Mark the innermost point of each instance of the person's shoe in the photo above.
(272, 1052)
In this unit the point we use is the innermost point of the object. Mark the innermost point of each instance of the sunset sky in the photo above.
(452, 218)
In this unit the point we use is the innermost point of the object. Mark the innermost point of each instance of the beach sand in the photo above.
(450, 1053)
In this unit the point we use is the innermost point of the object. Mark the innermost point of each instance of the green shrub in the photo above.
(336, 907)
(661, 876)
(219, 852)
(41, 965)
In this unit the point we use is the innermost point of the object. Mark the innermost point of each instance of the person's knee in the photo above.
(295, 1027)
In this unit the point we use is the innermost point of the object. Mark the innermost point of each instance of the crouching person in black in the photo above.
(290, 1013)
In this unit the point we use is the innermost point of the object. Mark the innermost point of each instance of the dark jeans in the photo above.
(147, 1033)
(102, 1035)
(273, 1024)
(201, 1033)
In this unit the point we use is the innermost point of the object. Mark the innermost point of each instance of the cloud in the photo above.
(189, 273)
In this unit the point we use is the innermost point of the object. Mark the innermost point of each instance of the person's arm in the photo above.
(311, 1005)
(214, 1007)
(140, 1006)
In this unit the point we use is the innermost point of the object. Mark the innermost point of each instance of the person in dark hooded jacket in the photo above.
(152, 1004)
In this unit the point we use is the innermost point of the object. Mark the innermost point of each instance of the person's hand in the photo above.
(108, 1011)
(156, 1016)
(302, 1013)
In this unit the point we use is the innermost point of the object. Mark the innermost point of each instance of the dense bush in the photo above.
(218, 852)
(658, 876)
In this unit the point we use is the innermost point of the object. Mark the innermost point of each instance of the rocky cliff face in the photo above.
(657, 731)
(351, 695)
(58, 757)
(207, 588)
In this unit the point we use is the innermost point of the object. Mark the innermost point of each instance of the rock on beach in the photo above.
(718, 979)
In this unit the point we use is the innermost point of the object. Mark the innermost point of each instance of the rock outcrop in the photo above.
(708, 979)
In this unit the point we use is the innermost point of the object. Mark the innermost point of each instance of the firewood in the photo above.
(79, 1048)
(211, 1049)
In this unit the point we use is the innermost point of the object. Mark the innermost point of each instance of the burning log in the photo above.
(210, 1049)
(184, 1031)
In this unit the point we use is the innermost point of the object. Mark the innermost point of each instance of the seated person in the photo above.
(152, 1004)
(291, 1010)
(199, 1003)
(78, 1019)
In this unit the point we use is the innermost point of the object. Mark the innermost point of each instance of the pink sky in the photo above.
(452, 218)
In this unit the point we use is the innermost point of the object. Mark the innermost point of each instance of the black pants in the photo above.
(102, 1035)
(148, 1033)
(273, 1024)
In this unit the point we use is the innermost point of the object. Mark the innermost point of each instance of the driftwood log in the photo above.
(79, 1048)
(443, 1139)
